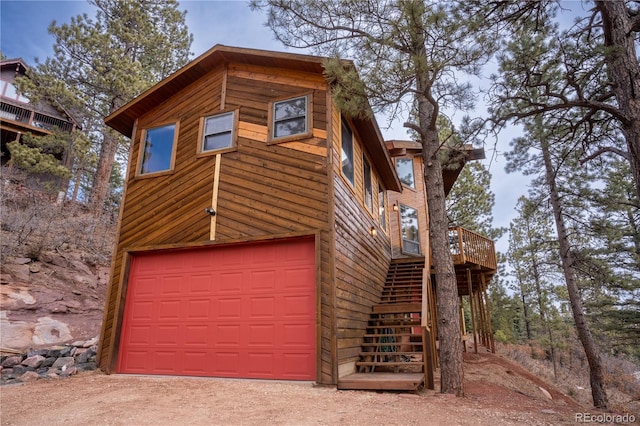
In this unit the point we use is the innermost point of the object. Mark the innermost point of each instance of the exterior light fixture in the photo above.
(373, 231)
(395, 207)
(210, 210)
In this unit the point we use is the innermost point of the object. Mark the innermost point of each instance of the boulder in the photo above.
(63, 362)
(33, 361)
(29, 376)
(12, 361)
(48, 331)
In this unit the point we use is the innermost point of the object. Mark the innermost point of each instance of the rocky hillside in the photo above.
(56, 298)
(53, 268)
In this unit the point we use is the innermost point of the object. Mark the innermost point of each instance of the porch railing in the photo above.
(9, 112)
(469, 247)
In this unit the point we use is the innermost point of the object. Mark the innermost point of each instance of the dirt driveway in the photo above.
(98, 399)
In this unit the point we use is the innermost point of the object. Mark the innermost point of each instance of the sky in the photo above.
(23, 34)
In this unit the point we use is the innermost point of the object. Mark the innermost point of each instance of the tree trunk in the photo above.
(449, 334)
(596, 373)
(101, 180)
(624, 70)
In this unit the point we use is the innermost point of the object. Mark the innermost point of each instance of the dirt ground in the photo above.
(498, 392)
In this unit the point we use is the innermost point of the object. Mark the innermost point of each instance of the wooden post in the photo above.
(491, 339)
(463, 326)
(428, 359)
(473, 320)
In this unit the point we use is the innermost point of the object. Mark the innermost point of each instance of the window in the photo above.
(218, 132)
(9, 90)
(404, 167)
(368, 190)
(290, 118)
(157, 154)
(347, 153)
(382, 211)
(410, 231)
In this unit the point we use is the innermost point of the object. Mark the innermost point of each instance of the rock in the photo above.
(14, 333)
(55, 351)
(34, 268)
(90, 342)
(86, 366)
(548, 412)
(52, 375)
(67, 351)
(545, 392)
(19, 370)
(63, 363)
(48, 330)
(12, 361)
(29, 376)
(59, 261)
(34, 352)
(33, 361)
(21, 260)
(5, 278)
(48, 362)
(68, 371)
(46, 257)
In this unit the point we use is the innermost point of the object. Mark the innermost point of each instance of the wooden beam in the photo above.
(214, 197)
(471, 306)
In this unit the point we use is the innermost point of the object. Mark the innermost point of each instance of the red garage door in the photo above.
(238, 311)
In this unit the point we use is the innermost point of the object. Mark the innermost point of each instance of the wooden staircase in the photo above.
(395, 346)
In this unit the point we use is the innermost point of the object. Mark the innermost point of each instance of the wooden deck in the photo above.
(382, 381)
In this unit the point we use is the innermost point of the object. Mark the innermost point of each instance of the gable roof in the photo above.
(20, 67)
(124, 118)
(449, 175)
(15, 62)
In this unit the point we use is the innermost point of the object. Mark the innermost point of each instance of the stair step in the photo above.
(398, 308)
(387, 363)
(378, 344)
(374, 335)
(393, 323)
(409, 354)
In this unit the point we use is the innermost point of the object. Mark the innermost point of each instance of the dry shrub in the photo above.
(622, 387)
(33, 223)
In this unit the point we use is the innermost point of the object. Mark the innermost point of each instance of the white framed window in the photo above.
(382, 207)
(404, 167)
(218, 132)
(410, 230)
(158, 148)
(368, 187)
(348, 169)
(290, 118)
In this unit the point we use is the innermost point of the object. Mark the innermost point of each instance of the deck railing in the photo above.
(31, 118)
(469, 247)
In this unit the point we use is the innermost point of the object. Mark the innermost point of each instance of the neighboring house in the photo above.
(258, 236)
(18, 115)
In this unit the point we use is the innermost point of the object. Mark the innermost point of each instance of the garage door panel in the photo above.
(229, 309)
(199, 283)
(262, 281)
(263, 307)
(296, 335)
(240, 311)
(198, 309)
(229, 282)
(169, 310)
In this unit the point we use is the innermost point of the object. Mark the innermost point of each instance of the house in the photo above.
(18, 115)
(257, 236)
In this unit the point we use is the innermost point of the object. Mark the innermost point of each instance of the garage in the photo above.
(245, 311)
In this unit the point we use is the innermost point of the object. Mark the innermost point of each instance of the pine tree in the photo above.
(409, 55)
(99, 65)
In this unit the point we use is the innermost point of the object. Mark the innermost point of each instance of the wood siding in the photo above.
(361, 260)
(417, 199)
(265, 191)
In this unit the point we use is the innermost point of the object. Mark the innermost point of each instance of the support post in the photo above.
(471, 309)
